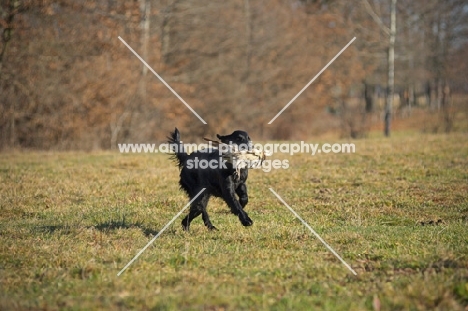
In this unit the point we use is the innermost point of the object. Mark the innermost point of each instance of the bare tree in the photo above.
(391, 33)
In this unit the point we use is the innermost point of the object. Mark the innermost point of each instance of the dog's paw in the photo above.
(246, 221)
(185, 226)
(212, 228)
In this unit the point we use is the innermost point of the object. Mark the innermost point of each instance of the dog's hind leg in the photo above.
(194, 213)
(196, 208)
(205, 217)
(206, 220)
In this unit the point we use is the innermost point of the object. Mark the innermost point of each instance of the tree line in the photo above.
(68, 82)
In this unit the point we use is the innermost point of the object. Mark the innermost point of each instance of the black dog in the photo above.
(220, 181)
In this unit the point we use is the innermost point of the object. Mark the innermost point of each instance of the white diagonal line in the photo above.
(313, 79)
(313, 231)
(159, 233)
(161, 79)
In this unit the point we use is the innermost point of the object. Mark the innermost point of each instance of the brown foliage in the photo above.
(67, 82)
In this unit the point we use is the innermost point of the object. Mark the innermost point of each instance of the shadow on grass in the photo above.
(122, 224)
(53, 229)
(103, 227)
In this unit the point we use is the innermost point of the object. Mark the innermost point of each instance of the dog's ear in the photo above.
(227, 139)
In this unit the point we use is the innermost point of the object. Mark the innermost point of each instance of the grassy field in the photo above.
(396, 211)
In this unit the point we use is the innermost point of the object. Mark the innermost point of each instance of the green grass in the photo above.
(70, 221)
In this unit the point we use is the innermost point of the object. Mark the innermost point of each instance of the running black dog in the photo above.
(218, 178)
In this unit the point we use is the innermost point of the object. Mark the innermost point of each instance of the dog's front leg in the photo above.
(241, 191)
(236, 208)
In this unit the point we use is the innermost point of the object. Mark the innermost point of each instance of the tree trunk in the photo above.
(440, 91)
(369, 98)
(248, 31)
(8, 30)
(166, 34)
(145, 9)
(391, 69)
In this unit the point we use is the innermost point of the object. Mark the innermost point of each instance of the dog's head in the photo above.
(239, 138)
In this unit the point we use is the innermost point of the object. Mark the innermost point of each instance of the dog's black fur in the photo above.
(219, 182)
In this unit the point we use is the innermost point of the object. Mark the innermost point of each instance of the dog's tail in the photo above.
(177, 147)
